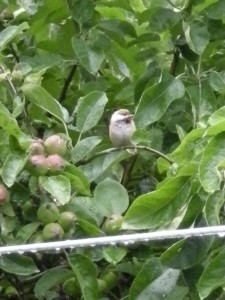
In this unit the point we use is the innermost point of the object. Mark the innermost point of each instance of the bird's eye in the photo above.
(127, 121)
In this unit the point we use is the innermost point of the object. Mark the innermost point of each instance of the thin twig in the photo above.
(14, 53)
(173, 5)
(67, 83)
(128, 169)
(175, 61)
(145, 148)
(9, 82)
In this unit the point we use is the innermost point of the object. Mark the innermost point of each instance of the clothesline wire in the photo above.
(123, 239)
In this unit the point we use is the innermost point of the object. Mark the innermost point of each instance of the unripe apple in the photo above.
(37, 147)
(54, 144)
(17, 77)
(6, 14)
(52, 231)
(110, 278)
(4, 194)
(48, 213)
(38, 165)
(55, 163)
(67, 220)
(102, 286)
(113, 224)
(71, 287)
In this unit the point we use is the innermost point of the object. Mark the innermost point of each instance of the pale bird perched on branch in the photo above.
(121, 128)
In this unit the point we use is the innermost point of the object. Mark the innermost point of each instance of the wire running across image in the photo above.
(124, 239)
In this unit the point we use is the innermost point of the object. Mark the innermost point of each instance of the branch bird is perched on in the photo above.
(121, 128)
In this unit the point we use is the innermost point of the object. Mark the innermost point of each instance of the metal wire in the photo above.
(125, 239)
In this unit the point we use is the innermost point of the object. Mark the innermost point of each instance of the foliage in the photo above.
(65, 66)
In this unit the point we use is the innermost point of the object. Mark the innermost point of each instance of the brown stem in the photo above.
(175, 61)
(128, 169)
(67, 84)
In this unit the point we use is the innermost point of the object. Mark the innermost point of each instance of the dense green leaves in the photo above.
(66, 66)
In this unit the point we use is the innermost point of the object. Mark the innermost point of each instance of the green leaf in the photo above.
(8, 122)
(90, 228)
(114, 255)
(213, 154)
(159, 208)
(216, 129)
(84, 147)
(213, 275)
(160, 19)
(217, 117)
(191, 146)
(82, 10)
(40, 97)
(86, 275)
(137, 5)
(156, 99)
(9, 33)
(216, 10)
(162, 287)
(149, 272)
(197, 36)
(90, 110)
(203, 100)
(178, 255)
(58, 186)
(12, 166)
(213, 207)
(117, 27)
(18, 264)
(50, 279)
(110, 197)
(78, 180)
(25, 232)
(217, 82)
(89, 57)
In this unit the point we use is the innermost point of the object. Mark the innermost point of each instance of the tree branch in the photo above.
(145, 148)
(175, 61)
(67, 83)
(14, 53)
(128, 169)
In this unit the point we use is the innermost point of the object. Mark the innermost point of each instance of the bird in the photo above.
(121, 128)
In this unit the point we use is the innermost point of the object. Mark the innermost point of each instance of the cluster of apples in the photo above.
(47, 155)
(56, 224)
